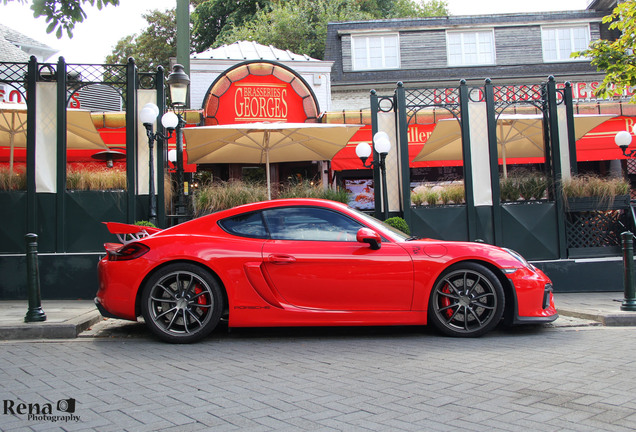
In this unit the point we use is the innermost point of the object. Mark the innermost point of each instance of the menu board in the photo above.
(360, 194)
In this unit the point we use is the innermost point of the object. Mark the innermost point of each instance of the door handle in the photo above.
(281, 259)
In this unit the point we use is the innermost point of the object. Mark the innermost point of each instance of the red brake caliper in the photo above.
(446, 302)
(201, 299)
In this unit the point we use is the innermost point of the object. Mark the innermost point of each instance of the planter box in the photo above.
(443, 222)
(13, 227)
(85, 212)
(581, 204)
(530, 228)
(593, 228)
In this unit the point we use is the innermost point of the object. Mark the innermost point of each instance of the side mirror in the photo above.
(366, 235)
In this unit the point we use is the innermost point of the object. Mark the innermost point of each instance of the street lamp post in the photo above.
(382, 145)
(623, 139)
(169, 120)
(178, 82)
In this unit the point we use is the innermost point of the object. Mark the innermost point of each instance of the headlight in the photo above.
(518, 257)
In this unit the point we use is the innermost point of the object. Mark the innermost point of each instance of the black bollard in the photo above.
(629, 302)
(35, 312)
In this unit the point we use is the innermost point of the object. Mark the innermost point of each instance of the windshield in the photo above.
(399, 235)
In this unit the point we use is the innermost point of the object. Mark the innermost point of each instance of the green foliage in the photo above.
(301, 25)
(454, 192)
(523, 184)
(594, 186)
(448, 194)
(306, 189)
(417, 198)
(398, 223)
(508, 189)
(145, 223)
(296, 25)
(617, 59)
(431, 197)
(12, 180)
(213, 18)
(62, 15)
(153, 47)
(102, 179)
(224, 195)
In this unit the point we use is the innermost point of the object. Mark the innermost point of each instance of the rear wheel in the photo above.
(181, 303)
(467, 301)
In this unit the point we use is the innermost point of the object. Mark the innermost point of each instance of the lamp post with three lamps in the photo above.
(169, 120)
(382, 146)
(178, 82)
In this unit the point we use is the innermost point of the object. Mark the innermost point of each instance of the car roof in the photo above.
(283, 203)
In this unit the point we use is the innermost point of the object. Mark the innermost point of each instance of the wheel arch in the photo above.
(510, 297)
(183, 261)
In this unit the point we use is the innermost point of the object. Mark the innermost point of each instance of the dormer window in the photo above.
(560, 42)
(375, 52)
(470, 48)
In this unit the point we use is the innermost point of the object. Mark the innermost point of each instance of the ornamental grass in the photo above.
(605, 189)
(220, 195)
(224, 195)
(12, 180)
(104, 179)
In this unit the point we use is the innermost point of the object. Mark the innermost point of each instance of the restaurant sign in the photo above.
(10, 94)
(581, 91)
(259, 92)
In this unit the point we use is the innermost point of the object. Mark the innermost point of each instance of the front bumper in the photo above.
(534, 298)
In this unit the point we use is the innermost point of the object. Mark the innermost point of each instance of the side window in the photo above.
(245, 225)
(310, 223)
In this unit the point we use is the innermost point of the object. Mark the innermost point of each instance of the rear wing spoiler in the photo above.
(127, 233)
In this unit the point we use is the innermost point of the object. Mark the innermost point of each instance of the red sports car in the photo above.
(306, 262)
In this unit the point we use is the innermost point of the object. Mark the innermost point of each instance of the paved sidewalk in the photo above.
(66, 319)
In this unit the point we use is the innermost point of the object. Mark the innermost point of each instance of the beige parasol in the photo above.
(518, 136)
(263, 143)
(81, 132)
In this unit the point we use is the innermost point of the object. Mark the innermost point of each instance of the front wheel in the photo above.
(181, 303)
(467, 301)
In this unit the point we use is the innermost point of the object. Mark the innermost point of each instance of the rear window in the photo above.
(245, 225)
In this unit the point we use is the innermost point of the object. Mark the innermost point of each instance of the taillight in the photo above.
(128, 252)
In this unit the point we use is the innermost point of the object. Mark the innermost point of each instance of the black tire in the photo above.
(181, 303)
(467, 300)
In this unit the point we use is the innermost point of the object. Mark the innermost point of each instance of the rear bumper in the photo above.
(103, 311)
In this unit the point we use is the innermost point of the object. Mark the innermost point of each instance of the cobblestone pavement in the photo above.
(566, 378)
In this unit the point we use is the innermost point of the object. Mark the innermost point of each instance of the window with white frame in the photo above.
(375, 52)
(470, 48)
(560, 42)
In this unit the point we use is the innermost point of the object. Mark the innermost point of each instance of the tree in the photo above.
(63, 14)
(387, 9)
(301, 25)
(210, 18)
(153, 47)
(617, 58)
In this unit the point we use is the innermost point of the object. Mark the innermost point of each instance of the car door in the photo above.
(314, 261)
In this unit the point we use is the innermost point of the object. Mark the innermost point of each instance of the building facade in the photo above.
(441, 51)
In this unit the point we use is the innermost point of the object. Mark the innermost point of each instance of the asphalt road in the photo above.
(383, 379)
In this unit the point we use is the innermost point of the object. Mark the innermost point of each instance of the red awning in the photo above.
(596, 145)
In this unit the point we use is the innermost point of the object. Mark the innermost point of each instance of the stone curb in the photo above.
(68, 329)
